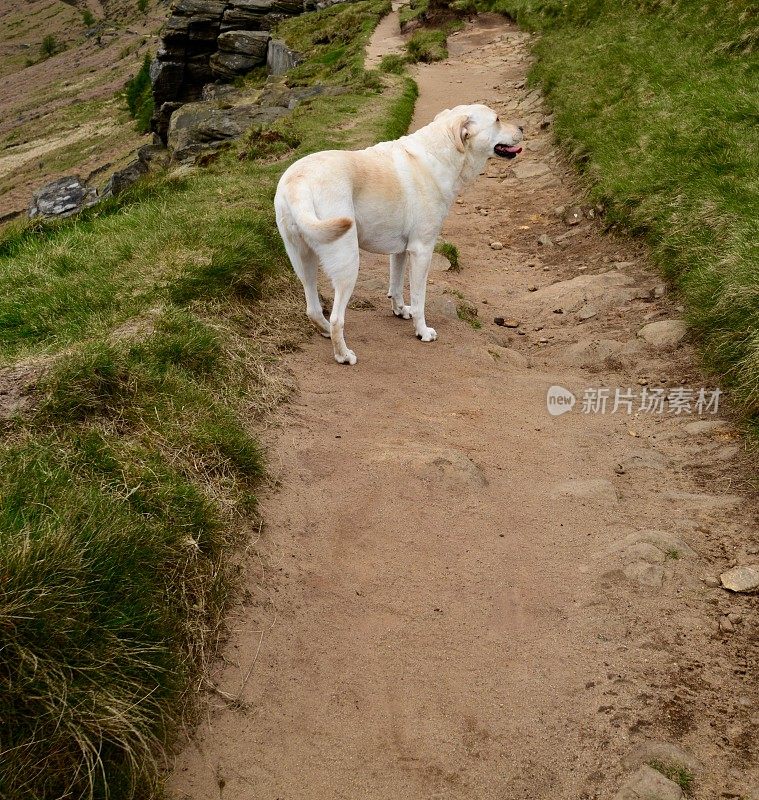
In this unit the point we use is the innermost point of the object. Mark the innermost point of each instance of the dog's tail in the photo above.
(322, 231)
(300, 204)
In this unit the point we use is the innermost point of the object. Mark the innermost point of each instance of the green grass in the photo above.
(401, 111)
(683, 777)
(138, 93)
(656, 100)
(393, 63)
(151, 328)
(451, 252)
(427, 45)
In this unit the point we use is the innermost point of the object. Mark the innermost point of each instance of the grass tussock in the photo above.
(451, 252)
(427, 46)
(657, 101)
(124, 488)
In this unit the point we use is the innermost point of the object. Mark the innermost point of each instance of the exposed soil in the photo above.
(60, 115)
(455, 594)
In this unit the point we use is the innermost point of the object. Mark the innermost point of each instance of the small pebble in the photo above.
(532, 288)
(496, 246)
(711, 581)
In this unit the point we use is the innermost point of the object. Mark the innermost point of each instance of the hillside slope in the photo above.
(59, 113)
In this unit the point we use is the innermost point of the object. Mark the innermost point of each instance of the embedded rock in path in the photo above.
(705, 426)
(595, 489)
(643, 459)
(62, 198)
(645, 574)
(603, 290)
(595, 352)
(441, 305)
(705, 502)
(648, 784)
(444, 466)
(741, 579)
(667, 333)
(573, 216)
(530, 169)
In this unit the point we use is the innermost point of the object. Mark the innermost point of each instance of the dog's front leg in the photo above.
(395, 290)
(419, 262)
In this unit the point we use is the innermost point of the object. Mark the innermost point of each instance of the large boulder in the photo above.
(236, 19)
(198, 127)
(162, 117)
(280, 58)
(123, 178)
(194, 8)
(62, 198)
(167, 78)
(254, 44)
(229, 66)
(664, 334)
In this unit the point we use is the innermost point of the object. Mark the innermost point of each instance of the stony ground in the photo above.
(60, 115)
(460, 595)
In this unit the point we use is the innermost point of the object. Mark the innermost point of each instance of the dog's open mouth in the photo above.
(507, 150)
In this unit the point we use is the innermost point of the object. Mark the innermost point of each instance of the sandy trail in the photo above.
(455, 595)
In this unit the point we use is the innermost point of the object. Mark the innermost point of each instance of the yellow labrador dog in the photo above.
(391, 198)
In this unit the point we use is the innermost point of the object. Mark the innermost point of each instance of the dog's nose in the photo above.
(521, 129)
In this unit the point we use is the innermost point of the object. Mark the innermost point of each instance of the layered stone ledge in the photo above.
(216, 40)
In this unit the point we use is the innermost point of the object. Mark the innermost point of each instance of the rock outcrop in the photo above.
(209, 40)
(62, 198)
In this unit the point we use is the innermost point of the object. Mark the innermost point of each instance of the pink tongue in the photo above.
(513, 149)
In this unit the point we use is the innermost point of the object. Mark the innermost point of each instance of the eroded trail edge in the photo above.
(459, 595)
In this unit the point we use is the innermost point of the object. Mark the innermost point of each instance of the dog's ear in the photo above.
(440, 114)
(460, 131)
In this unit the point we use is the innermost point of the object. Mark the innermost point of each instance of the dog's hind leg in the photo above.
(341, 264)
(395, 290)
(306, 265)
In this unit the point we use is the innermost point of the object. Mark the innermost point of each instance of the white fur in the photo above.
(391, 198)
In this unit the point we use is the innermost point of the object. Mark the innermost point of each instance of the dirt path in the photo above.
(458, 595)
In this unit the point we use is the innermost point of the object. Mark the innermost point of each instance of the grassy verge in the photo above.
(657, 103)
(144, 337)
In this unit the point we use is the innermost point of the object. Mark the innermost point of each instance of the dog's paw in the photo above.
(404, 312)
(427, 334)
(348, 358)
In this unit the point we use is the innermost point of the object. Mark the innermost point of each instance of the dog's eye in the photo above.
(497, 119)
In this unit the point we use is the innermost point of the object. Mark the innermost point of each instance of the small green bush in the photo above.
(49, 46)
(142, 6)
(88, 18)
(139, 96)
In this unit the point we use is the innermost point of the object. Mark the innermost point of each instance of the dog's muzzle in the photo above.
(507, 150)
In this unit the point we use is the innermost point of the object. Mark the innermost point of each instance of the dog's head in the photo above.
(479, 129)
